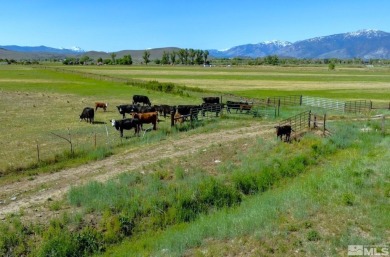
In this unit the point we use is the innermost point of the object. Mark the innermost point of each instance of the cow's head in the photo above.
(113, 122)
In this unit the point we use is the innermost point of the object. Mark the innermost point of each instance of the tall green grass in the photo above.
(284, 220)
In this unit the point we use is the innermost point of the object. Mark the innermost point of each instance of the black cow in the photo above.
(88, 114)
(211, 100)
(237, 105)
(163, 109)
(283, 130)
(206, 107)
(127, 108)
(141, 99)
(127, 124)
(144, 109)
(189, 110)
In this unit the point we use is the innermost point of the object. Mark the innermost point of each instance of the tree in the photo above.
(199, 57)
(182, 55)
(146, 57)
(173, 57)
(331, 66)
(205, 55)
(84, 59)
(165, 58)
(191, 54)
(126, 60)
(113, 55)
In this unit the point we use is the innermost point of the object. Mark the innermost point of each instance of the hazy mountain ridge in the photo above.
(366, 44)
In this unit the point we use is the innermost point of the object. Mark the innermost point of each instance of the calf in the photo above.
(127, 124)
(101, 105)
(283, 130)
(88, 114)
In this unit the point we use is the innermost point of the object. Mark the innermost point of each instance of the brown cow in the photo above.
(178, 118)
(147, 117)
(101, 105)
(245, 107)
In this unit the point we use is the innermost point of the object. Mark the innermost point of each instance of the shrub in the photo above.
(245, 183)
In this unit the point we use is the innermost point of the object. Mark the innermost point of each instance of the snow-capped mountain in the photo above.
(42, 49)
(251, 50)
(366, 44)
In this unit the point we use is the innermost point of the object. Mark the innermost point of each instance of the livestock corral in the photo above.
(225, 161)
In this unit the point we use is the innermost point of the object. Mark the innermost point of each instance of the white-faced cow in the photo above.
(127, 108)
(127, 124)
(88, 114)
(283, 130)
(141, 99)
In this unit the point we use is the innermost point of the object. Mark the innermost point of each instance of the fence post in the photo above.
(278, 106)
(324, 123)
(300, 100)
(39, 160)
(172, 119)
(309, 119)
(383, 125)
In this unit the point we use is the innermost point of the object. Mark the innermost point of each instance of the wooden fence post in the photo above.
(39, 159)
(383, 125)
(172, 119)
(324, 123)
(309, 121)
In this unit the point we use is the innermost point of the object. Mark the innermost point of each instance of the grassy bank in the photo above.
(270, 194)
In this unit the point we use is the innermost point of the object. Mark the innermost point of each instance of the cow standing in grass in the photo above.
(141, 99)
(101, 105)
(283, 130)
(127, 124)
(88, 114)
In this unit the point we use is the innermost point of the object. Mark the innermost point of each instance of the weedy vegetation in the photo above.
(313, 196)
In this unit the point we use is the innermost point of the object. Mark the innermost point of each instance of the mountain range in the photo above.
(365, 44)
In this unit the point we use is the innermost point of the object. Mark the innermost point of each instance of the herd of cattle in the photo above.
(148, 114)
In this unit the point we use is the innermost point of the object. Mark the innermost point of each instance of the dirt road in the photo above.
(29, 195)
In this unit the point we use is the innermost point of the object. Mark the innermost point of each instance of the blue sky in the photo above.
(116, 25)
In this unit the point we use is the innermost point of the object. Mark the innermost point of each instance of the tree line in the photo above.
(182, 56)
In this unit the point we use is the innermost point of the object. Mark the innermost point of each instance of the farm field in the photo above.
(343, 83)
(225, 186)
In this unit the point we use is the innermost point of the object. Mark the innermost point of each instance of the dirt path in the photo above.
(29, 195)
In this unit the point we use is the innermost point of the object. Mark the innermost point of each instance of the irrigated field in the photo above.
(37, 102)
(224, 187)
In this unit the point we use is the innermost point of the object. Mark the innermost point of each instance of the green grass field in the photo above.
(37, 102)
(313, 197)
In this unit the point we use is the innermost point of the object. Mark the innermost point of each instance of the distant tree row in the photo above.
(275, 60)
(12, 61)
(185, 57)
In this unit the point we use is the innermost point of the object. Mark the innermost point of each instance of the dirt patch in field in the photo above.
(30, 194)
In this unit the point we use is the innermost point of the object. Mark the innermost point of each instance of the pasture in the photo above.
(226, 187)
(342, 83)
(37, 103)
